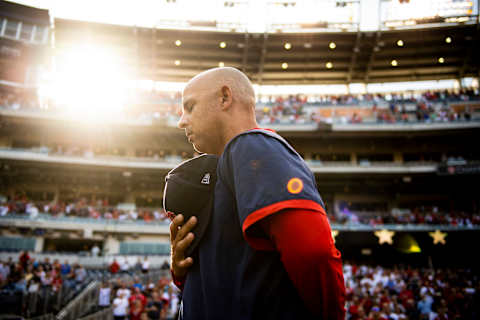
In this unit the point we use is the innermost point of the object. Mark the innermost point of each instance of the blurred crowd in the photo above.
(427, 106)
(95, 209)
(39, 286)
(34, 288)
(135, 300)
(430, 106)
(30, 275)
(411, 293)
(416, 216)
(370, 99)
(100, 209)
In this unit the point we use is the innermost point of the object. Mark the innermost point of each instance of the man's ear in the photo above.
(226, 97)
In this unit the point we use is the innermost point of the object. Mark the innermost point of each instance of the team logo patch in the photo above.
(295, 185)
(206, 179)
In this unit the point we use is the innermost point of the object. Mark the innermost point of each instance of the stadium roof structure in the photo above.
(20, 12)
(445, 52)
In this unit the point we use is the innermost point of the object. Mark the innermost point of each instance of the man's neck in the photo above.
(235, 130)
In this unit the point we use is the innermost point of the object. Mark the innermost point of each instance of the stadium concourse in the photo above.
(383, 105)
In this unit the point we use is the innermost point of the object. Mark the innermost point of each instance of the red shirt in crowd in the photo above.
(114, 267)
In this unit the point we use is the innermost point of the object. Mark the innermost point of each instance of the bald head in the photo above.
(214, 79)
(218, 104)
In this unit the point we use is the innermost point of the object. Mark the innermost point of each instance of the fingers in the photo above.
(185, 263)
(176, 222)
(185, 229)
(183, 244)
(181, 238)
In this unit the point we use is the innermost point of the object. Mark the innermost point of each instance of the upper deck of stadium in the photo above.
(273, 42)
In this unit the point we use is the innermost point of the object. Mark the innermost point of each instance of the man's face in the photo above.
(200, 118)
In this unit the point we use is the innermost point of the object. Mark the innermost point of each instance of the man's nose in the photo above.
(182, 123)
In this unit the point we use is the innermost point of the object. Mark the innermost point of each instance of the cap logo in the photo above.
(206, 179)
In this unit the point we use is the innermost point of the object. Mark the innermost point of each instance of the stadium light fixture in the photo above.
(394, 63)
(221, 64)
(178, 62)
(287, 46)
(329, 65)
(332, 45)
(223, 44)
(441, 60)
(448, 40)
(284, 66)
(400, 43)
(178, 43)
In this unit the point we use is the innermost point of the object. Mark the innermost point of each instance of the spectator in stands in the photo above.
(47, 266)
(57, 282)
(104, 295)
(356, 118)
(137, 303)
(425, 306)
(165, 265)
(145, 265)
(80, 273)
(16, 279)
(136, 310)
(125, 266)
(137, 283)
(24, 259)
(3, 209)
(114, 267)
(124, 290)
(95, 250)
(4, 272)
(138, 265)
(120, 307)
(154, 306)
(65, 268)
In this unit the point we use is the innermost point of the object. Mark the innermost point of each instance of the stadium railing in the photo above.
(132, 227)
(123, 162)
(81, 303)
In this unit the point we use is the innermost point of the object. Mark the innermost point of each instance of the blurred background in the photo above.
(380, 97)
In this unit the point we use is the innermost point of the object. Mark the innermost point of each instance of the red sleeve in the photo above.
(314, 265)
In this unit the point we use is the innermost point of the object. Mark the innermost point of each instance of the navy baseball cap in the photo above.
(189, 190)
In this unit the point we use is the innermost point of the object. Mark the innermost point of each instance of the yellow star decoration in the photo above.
(334, 234)
(438, 237)
(385, 236)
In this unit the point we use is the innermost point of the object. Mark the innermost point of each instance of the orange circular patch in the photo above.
(295, 185)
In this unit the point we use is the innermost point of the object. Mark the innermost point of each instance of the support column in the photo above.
(56, 195)
(5, 142)
(353, 158)
(111, 246)
(398, 157)
(39, 242)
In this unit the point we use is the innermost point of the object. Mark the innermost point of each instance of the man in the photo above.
(145, 265)
(104, 295)
(268, 252)
(137, 296)
(120, 307)
(114, 267)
